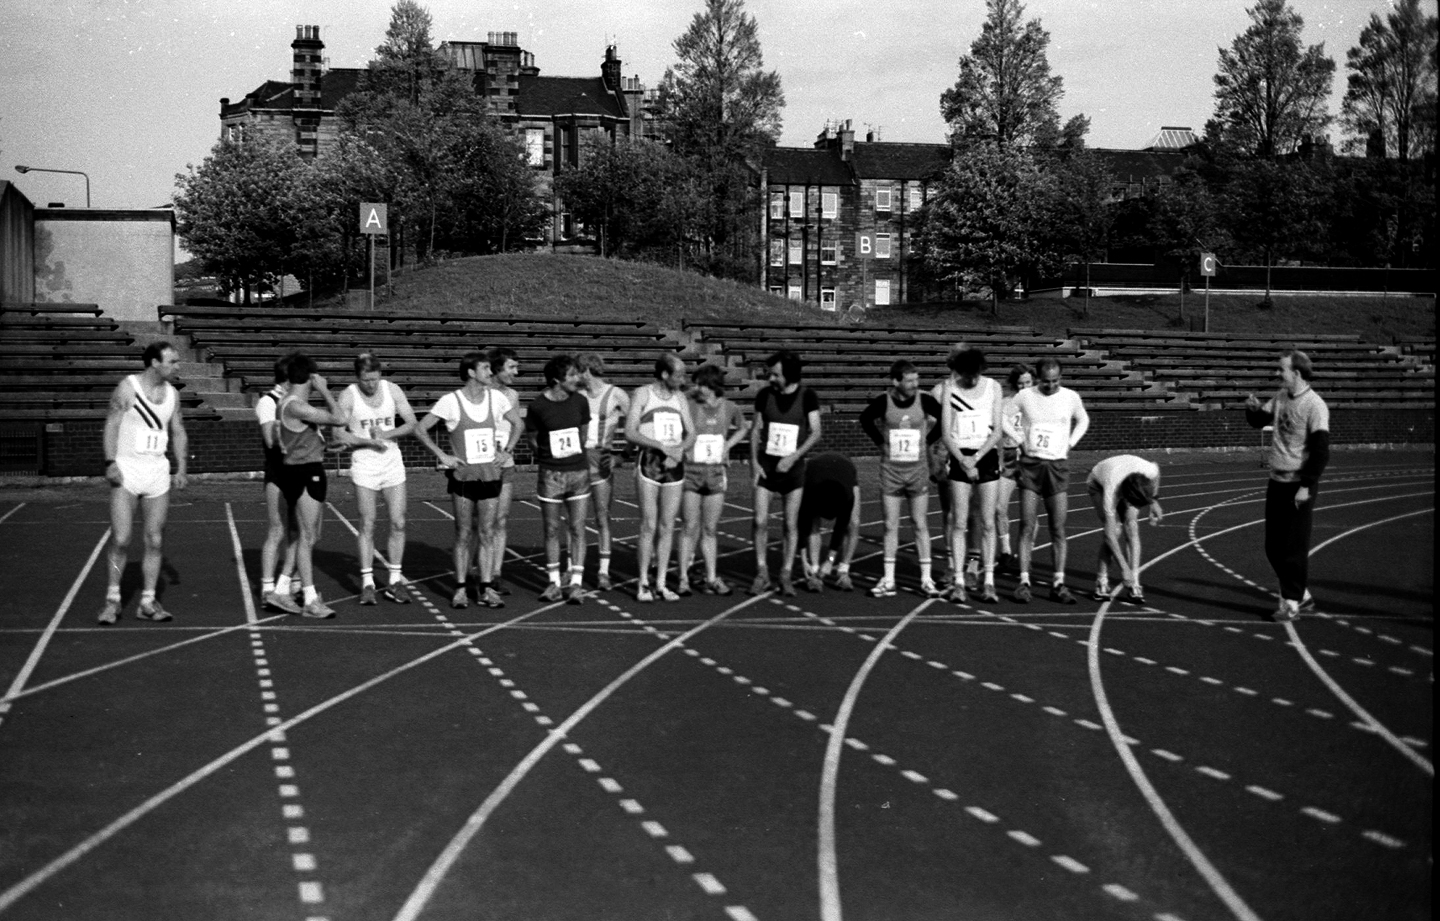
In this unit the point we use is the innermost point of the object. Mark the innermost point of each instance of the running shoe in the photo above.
(491, 598)
(318, 610)
(719, 586)
(1062, 594)
(667, 595)
(1102, 591)
(552, 592)
(957, 593)
(844, 583)
(1021, 595)
(972, 578)
(644, 595)
(575, 594)
(813, 583)
(761, 585)
(1289, 610)
(461, 598)
(787, 588)
(281, 602)
(110, 613)
(396, 592)
(883, 589)
(152, 611)
(603, 582)
(367, 595)
(1134, 594)
(988, 594)
(928, 589)
(499, 586)
(1307, 604)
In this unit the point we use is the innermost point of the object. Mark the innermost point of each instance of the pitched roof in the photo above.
(1173, 139)
(886, 160)
(549, 96)
(805, 166)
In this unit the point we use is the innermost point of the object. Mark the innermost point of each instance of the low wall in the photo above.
(74, 448)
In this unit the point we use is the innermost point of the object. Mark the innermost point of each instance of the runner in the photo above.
(473, 469)
(901, 421)
(608, 406)
(303, 482)
(557, 419)
(1017, 380)
(971, 427)
(659, 424)
(142, 423)
(282, 530)
(505, 368)
(786, 426)
(1119, 487)
(832, 494)
(377, 469)
(1299, 452)
(1052, 421)
(719, 427)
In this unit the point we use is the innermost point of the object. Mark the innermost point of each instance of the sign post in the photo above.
(1208, 262)
(374, 220)
(865, 251)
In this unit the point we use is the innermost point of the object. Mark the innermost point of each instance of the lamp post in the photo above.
(22, 170)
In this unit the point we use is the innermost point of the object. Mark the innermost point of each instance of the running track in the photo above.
(830, 756)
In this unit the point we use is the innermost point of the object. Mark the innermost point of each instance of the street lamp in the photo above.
(22, 170)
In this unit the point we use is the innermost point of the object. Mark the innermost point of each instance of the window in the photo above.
(777, 252)
(882, 246)
(882, 293)
(797, 203)
(829, 204)
(797, 252)
(829, 250)
(917, 198)
(882, 199)
(777, 206)
(794, 292)
(777, 290)
(535, 146)
(827, 299)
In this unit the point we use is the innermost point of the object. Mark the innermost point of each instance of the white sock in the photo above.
(311, 595)
(889, 571)
(926, 574)
(367, 578)
(282, 585)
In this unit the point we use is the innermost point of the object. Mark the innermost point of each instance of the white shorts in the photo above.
(378, 472)
(146, 477)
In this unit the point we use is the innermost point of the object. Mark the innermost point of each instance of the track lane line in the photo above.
(6, 517)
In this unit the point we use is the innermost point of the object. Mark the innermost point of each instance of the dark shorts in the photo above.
(299, 479)
(987, 470)
(274, 466)
(652, 468)
(706, 479)
(777, 482)
(601, 463)
(1009, 463)
(562, 485)
(472, 490)
(1046, 477)
(904, 479)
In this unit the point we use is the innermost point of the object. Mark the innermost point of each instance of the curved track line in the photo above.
(430, 882)
(6, 517)
(34, 659)
(828, 860)
(18, 891)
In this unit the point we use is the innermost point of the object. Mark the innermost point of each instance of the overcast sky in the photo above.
(129, 91)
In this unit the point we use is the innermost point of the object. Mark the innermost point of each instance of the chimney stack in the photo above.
(305, 74)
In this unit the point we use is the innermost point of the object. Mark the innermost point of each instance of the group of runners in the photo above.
(974, 439)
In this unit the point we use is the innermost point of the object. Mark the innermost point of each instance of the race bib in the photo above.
(709, 449)
(480, 446)
(904, 446)
(1047, 441)
(782, 439)
(565, 443)
(969, 428)
(153, 444)
(669, 428)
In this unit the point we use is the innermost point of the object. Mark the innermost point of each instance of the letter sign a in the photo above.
(374, 219)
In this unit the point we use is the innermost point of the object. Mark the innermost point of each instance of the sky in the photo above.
(128, 91)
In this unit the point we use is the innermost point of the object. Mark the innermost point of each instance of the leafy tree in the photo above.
(1270, 92)
(1184, 222)
(988, 221)
(1082, 218)
(720, 108)
(1273, 211)
(490, 200)
(1390, 95)
(1005, 93)
(235, 212)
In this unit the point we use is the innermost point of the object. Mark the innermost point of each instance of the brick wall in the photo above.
(74, 448)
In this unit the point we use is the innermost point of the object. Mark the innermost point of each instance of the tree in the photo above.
(1270, 92)
(1390, 95)
(1185, 222)
(721, 108)
(1005, 92)
(235, 212)
(1272, 207)
(1082, 217)
(987, 221)
(639, 195)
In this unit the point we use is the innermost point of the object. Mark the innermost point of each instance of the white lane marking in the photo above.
(17, 685)
(1070, 863)
(1327, 817)
(245, 594)
(6, 516)
(1264, 793)
(430, 881)
(709, 883)
(827, 856)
